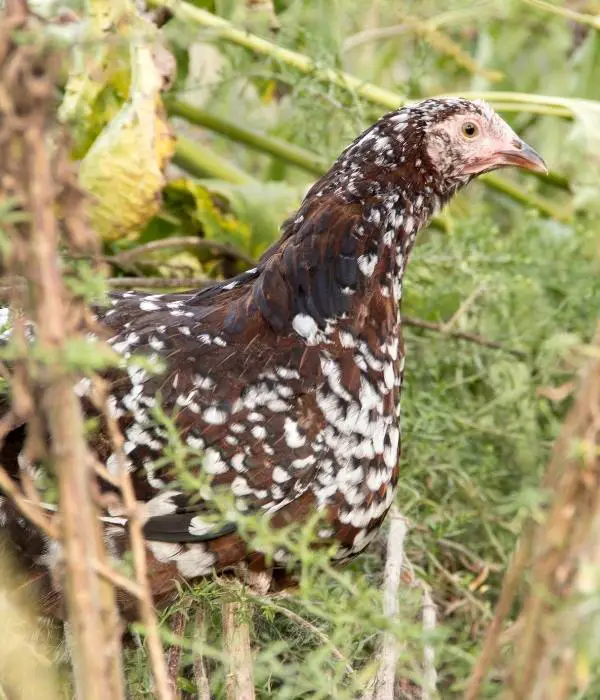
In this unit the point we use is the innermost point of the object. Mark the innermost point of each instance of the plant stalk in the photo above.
(287, 152)
(203, 162)
(90, 600)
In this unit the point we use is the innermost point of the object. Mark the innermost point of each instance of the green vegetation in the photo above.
(514, 260)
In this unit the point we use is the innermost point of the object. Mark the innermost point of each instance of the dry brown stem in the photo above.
(200, 671)
(448, 325)
(143, 592)
(147, 611)
(510, 586)
(565, 544)
(118, 580)
(236, 634)
(29, 174)
(559, 552)
(174, 652)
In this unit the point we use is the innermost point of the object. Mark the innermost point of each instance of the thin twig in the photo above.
(443, 44)
(464, 307)
(374, 34)
(481, 563)
(146, 604)
(299, 620)
(159, 283)
(104, 474)
(461, 335)
(28, 509)
(117, 579)
(449, 576)
(138, 547)
(181, 242)
(508, 592)
(378, 33)
(588, 20)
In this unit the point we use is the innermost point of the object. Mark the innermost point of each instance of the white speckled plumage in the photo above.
(287, 378)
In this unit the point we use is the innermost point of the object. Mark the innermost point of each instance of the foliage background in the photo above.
(478, 423)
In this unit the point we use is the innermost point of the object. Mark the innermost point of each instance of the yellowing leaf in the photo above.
(124, 168)
(247, 216)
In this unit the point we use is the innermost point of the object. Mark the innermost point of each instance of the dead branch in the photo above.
(454, 580)
(464, 307)
(118, 580)
(510, 586)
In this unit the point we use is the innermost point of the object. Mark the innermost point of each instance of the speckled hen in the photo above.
(288, 376)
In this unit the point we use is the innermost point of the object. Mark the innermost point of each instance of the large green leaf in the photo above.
(247, 216)
(262, 207)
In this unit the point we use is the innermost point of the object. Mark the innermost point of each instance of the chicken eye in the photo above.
(470, 130)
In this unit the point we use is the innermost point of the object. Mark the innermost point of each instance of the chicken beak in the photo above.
(523, 156)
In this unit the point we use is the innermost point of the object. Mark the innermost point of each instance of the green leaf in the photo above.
(246, 216)
(262, 207)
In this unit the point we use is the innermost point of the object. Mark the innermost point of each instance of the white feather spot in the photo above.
(305, 326)
(367, 263)
(214, 416)
(280, 475)
(213, 462)
(293, 437)
(148, 306)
